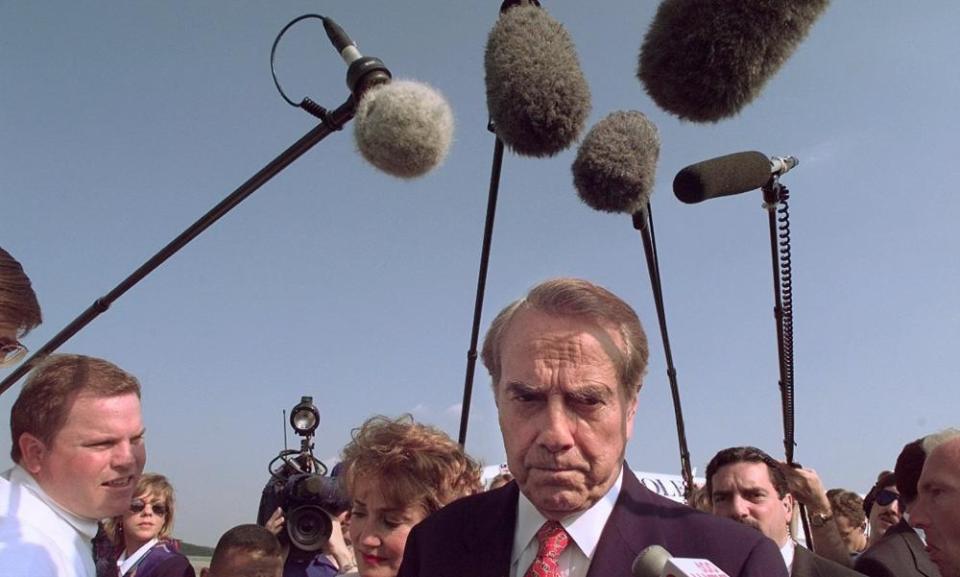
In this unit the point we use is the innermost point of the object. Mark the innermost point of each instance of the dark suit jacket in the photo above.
(899, 553)
(808, 564)
(473, 537)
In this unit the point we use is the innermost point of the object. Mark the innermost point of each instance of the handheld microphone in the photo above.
(729, 174)
(616, 163)
(404, 128)
(537, 96)
(705, 61)
(655, 561)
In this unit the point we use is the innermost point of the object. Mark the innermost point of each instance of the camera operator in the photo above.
(335, 557)
(305, 508)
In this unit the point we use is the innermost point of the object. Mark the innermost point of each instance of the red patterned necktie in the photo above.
(552, 540)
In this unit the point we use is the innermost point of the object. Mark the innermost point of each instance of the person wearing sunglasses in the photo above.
(882, 506)
(142, 534)
(19, 309)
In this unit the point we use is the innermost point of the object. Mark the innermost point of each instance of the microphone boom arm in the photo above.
(333, 121)
(643, 222)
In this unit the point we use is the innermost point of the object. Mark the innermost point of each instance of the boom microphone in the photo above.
(730, 174)
(705, 61)
(616, 164)
(655, 561)
(537, 95)
(403, 128)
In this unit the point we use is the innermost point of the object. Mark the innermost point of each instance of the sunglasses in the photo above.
(885, 497)
(138, 505)
(11, 352)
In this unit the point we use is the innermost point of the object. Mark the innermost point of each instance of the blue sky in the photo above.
(124, 122)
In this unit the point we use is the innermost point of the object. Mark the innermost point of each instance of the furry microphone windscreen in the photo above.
(537, 95)
(617, 162)
(705, 60)
(722, 176)
(403, 128)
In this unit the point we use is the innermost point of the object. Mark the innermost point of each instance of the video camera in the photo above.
(299, 485)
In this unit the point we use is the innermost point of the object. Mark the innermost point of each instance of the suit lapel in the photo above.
(920, 557)
(628, 530)
(803, 563)
(489, 535)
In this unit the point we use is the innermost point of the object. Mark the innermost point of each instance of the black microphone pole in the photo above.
(775, 197)
(643, 222)
(334, 121)
(481, 283)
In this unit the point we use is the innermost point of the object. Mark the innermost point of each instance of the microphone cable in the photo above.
(775, 199)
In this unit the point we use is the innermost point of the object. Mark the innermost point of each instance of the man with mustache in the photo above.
(747, 485)
(883, 506)
(937, 508)
(566, 363)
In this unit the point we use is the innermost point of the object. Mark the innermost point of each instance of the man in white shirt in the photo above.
(78, 447)
(566, 363)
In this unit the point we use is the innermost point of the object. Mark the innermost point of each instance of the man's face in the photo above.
(851, 533)
(884, 513)
(565, 419)
(92, 465)
(937, 507)
(744, 492)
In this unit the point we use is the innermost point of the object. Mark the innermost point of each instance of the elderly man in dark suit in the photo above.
(747, 485)
(567, 363)
(937, 507)
(900, 552)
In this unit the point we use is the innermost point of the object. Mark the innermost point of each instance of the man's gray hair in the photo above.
(934, 440)
(570, 297)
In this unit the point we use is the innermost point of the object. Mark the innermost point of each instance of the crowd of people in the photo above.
(567, 362)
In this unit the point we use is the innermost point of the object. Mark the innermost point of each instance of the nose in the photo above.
(738, 508)
(361, 532)
(918, 513)
(125, 456)
(557, 427)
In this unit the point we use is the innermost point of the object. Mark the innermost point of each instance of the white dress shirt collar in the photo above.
(125, 563)
(788, 551)
(584, 528)
(84, 526)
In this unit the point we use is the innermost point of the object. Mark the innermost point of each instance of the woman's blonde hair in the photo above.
(149, 484)
(416, 464)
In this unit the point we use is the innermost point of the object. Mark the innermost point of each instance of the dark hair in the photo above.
(884, 479)
(908, 468)
(735, 455)
(264, 556)
(18, 302)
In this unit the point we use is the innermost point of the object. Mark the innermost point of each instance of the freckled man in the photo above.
(566, 363)
(78, 446)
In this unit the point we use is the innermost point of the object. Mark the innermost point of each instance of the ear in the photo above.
(32, 452)
(632, 405)
(788, 505)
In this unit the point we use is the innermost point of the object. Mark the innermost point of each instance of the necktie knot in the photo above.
(552, 539)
